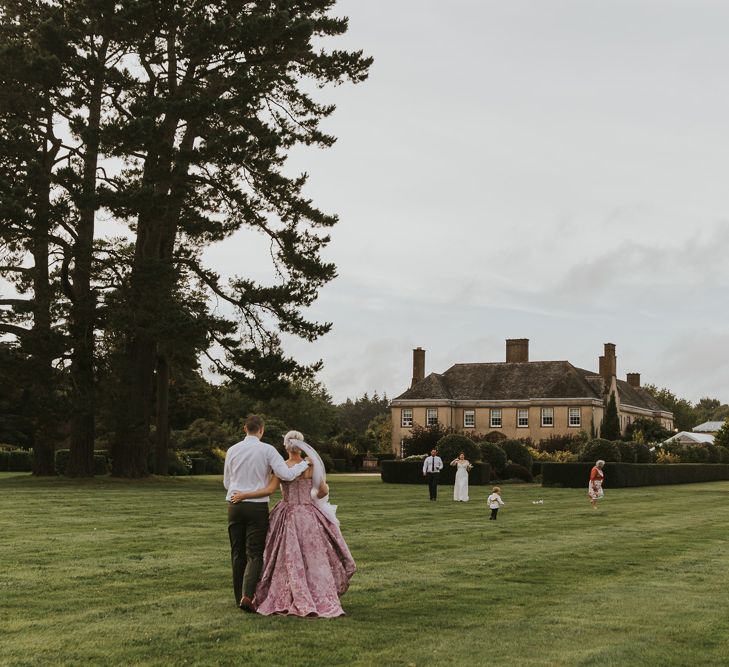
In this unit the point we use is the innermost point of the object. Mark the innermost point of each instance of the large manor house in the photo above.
(521, 398)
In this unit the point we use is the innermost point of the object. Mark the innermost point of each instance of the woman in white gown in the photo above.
(460, 490)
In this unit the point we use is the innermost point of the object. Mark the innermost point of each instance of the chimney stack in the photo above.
(517, 350)
(609, 362)
(418, 365)
(634, 379)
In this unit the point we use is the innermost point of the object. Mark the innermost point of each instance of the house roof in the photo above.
(504, 381)
(708, 427)
(698, 438)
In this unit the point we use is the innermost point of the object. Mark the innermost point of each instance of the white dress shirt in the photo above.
(248, 467)
(432, 464)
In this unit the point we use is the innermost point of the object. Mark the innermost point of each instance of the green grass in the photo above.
(110, 572)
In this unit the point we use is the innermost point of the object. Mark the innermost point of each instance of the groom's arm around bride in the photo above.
(248, 466)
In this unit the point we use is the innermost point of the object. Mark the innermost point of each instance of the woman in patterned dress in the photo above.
(594, 488)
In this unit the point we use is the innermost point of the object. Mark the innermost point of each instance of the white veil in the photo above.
(318, 477)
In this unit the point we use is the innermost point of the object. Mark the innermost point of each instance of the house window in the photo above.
(575, 418)
(469, 418)
(406, 418)
(547, 416)
(431, 417)
(522, 418)
(496, 418)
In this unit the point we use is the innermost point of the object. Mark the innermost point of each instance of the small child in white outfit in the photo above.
(494, 501)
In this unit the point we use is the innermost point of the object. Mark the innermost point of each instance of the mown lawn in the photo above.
(110, 572)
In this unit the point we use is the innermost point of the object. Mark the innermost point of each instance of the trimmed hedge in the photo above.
(4, 460)
(411, 472)
(20, 460)
(515, 471)
(621, 475)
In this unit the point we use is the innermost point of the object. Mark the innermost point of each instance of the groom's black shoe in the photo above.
(246, 604)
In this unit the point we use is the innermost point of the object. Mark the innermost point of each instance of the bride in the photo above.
(460, 490)
(306, 563)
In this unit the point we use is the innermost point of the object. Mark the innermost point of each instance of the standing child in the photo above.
(494, 501)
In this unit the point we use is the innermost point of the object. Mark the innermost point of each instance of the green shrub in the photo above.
(411, 472)
(340, 465)
(627, 451)
(713, 453)
(495, 437)
(493, 455)
(327, 461)
(515, 471)
(723, 454)
(101, 464)
(197, 466)
(642, 453)
(4, 460)
(62, 457)
(517, 452)
(20, 460)
(450, 446)
(621, 475)
(423, 438)
(178, 463)
(385, 456)
(571, 442)
(598, 449)
(214, 460)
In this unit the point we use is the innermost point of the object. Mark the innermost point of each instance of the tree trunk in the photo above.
(163, 425)
(40, 340)
(83, 310)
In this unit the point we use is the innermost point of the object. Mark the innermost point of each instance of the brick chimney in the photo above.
(609, 362)
(517, 350)
(633, 379)
(418, 365)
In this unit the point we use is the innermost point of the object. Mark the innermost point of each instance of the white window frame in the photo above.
(571, 412)
(431, 416)
(472, 415)
(494, 417)
(548, 413)
(406, 422)
(520, 412)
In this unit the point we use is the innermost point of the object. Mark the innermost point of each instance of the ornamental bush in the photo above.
(494, 456)
(450, 446)
(627, 451)
(598, 449)
(561, 443)
(411, 472)
(327, 461)
(20, 460)
(4, 460)
(517, 452)
(723, 454)
(642, 453)
(515, 471)
(495, 437)
(62, 456)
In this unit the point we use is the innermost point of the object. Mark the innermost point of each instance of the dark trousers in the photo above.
(494, 512)
(433, 484)
(247, 528)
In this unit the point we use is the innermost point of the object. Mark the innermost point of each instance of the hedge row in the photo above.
(411, 472)
(621, 475)
(16, 460)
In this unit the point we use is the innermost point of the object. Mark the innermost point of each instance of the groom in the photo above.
(248, 466)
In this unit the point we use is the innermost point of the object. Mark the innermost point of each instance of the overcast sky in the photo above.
(553, 170)
(556, 170)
